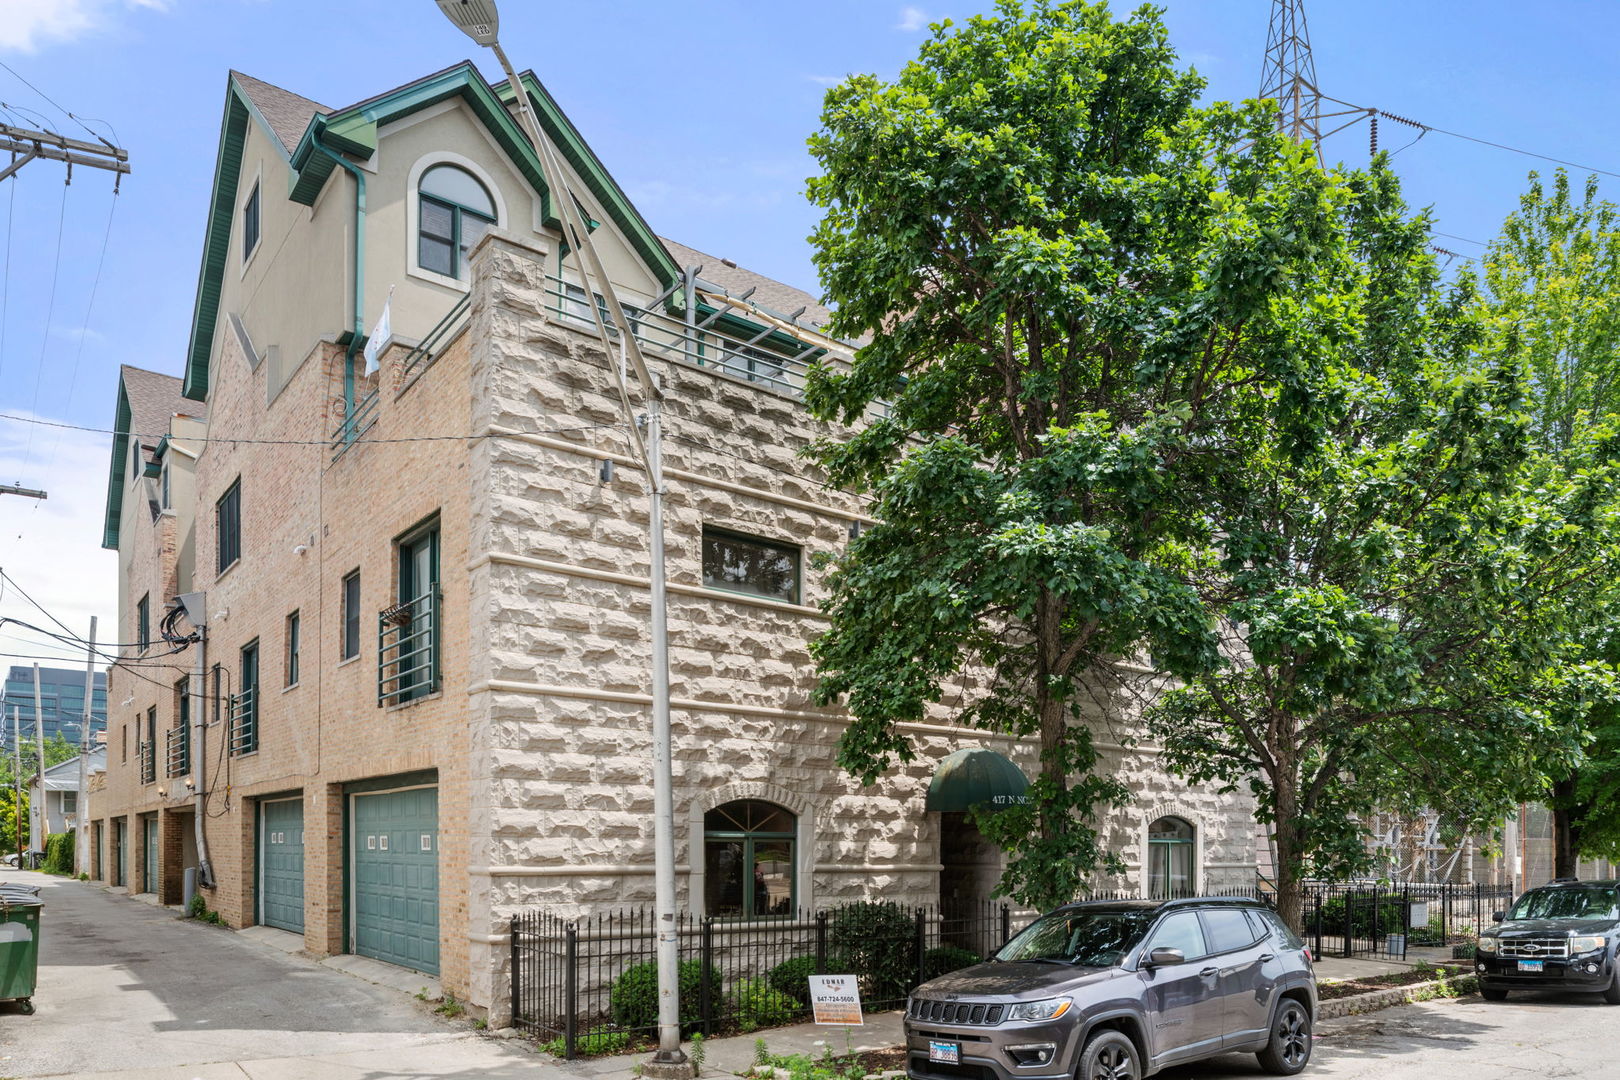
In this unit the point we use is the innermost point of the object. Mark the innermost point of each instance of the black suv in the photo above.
(1558, 937)
(1117, 991)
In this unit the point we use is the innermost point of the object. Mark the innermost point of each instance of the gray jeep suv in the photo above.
(1117, 991)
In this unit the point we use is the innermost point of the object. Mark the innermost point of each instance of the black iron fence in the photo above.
(589, 985)
(1386, 920)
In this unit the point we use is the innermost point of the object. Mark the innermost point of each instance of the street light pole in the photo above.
(479, 20)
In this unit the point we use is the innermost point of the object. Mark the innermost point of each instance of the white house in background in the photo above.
(62, 797)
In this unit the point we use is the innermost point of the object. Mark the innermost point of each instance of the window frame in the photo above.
(233, 496)
(252, 224)
(1170, 846)
(143, 622)
(349, 623)
(749, 838)
(407, 545)
(244, 685)
(293, 637)
(719, 532)
(457, 211)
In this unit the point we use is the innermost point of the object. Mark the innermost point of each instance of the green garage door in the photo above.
(150, 884)
(281, 864)
(396, 877)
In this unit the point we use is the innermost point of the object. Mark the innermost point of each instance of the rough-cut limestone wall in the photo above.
(560, 643)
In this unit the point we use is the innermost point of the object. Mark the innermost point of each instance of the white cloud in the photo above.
(912, 18)
(26, 25)
(52, 548)
(825, 80)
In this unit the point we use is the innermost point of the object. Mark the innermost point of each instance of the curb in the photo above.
(1374, 1000)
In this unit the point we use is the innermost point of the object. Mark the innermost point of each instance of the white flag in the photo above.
(380, 336)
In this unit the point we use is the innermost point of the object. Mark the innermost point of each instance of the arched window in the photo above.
(1170, 858)
(748, 853)
(455, 211)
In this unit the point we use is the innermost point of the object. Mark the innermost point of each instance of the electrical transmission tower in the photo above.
(27, 144)
(1289, 76)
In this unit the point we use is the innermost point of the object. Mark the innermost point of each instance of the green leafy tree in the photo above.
(1394, 609)
(1551, 298)
(1088, 301)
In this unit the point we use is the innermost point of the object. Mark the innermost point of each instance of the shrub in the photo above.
(633, 997)
(757, 1006)
(877, 942)
(792, 977)
(1366, 918)
(58, 853)
(945, 959)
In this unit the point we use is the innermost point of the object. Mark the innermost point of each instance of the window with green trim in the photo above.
(250, 224)
(1170, 858)
(748, 860)
(750, 564)
(454, 210)
(143, 621)
(228, 527)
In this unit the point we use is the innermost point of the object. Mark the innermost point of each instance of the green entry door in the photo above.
(120, 850)
(281, 864)
(395, 837)
(150, 883)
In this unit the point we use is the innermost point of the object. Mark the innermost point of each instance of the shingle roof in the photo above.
(287, 113)
(154, 399)
(770, 293)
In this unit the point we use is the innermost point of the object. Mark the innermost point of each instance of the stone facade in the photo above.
(537, 738)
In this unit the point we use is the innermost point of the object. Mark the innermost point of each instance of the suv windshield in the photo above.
(1084, 938)
(1566, 904)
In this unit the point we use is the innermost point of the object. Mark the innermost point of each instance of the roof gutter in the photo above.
(357, 271)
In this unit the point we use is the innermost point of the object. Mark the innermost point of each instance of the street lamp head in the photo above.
(475, 18)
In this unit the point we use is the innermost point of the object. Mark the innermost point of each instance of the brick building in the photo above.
(421, 702)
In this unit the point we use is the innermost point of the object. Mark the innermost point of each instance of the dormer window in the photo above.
(455, 211)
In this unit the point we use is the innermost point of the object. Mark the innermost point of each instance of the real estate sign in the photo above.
(836, 999)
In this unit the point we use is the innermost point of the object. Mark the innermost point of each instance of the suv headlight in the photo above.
(1587, 944)
(1050, 1009)
(1486, 944)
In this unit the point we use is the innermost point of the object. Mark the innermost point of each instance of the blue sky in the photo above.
(700, 111)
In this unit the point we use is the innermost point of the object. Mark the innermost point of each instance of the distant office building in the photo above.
(61, 700)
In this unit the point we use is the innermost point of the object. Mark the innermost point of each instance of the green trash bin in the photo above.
(19, 947)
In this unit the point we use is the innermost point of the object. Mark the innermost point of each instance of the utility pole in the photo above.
(479, 20)
(36, 839)
(16, 776)
(27, 144)
(81, 806)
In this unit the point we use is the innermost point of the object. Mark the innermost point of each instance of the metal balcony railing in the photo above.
(179, 750)
(422, 357)
(244, 733)
(354, 425)
(408, 649)
(148, 756)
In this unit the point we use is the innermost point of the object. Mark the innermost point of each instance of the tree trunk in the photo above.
(1290, 896)
(1566, 845)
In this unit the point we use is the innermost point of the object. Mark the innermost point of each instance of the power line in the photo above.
(50, 311)
(303, 442)
(1499, 146)
(5, 278)
(89, 309)
(47, 97)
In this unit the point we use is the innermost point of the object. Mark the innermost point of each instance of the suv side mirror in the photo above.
(1163, 957)
(1498, 916)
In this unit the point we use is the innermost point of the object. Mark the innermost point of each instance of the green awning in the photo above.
(970, 778)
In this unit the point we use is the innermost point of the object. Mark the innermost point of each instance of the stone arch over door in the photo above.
(804, 813)
(1200, 874)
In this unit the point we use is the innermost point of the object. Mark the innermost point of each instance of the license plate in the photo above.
(1532, 965)
(948, 1053)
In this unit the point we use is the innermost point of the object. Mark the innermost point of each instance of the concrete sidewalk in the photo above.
(128, 990)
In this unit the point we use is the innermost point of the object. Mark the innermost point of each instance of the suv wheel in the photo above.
(1110, 1055)
(1290, 1047)
(1611, 993)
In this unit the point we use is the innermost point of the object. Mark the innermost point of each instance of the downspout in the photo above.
(357, 274)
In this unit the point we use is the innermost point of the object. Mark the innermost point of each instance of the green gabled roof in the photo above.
(115, 476)
(353, 131)
(147, 402)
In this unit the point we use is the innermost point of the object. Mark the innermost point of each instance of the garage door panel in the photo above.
(396, 876)
(281, 864)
